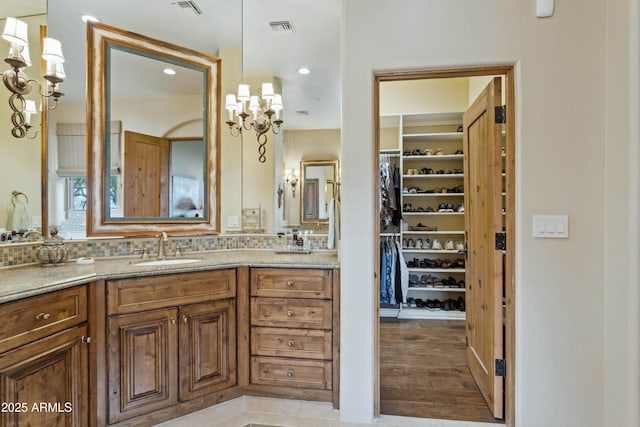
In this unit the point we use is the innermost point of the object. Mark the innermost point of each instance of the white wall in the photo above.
(560, 102)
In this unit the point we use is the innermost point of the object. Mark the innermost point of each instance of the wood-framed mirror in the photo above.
(137, 182)
(319, 185)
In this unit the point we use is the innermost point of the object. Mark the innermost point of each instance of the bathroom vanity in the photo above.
(123, 344)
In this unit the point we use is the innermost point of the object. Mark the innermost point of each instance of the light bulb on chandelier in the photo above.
(265, 114)
(19, 84)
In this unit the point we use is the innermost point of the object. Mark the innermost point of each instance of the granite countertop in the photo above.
(22, 282)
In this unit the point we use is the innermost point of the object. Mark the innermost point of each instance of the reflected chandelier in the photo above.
(263, 112)
(15, 79)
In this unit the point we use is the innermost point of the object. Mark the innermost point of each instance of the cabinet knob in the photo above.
(289, 373)
(43, 316)
(290, 343)
(290, 283)
(86, 340)
(184, 318)
(173, 321)
(290, 313)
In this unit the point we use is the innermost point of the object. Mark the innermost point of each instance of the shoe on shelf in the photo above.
(411, 244)
(426, 244)
(460, 208)
(442, 207)
(419, 244)
(459, 245)
(448, 245)
(436, 244)
(450, 208)
(404, 242)
(438, 152)
(429, 209)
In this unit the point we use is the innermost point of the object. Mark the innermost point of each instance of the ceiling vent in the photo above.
(302, 112)
(281, 26)
(189, 8)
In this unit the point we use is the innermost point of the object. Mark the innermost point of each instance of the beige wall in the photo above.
(21, 157)
(424, 96)
(560, 139)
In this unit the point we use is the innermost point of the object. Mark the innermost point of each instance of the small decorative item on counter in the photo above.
(53, 251)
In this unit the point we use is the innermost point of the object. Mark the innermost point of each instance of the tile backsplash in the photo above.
(15, 254)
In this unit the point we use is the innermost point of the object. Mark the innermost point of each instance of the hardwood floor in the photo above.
(424, 373)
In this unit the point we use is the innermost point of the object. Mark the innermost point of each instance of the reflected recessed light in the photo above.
(303, 71)
(89, 18)
(170, 71)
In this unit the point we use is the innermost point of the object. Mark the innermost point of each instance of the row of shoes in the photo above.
(423, 227)
(437, 190)
(436, 263)
(449, 244)
(430, 171)
(442, 207)
(436, 304)
(428, 281)
(428, 152)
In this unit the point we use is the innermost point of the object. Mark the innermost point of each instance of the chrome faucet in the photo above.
(162, 242)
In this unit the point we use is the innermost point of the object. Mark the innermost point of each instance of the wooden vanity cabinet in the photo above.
(294, 333)
(170, 339)
(44, 371)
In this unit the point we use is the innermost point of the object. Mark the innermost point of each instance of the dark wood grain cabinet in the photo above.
(179, 346)
(44, 371)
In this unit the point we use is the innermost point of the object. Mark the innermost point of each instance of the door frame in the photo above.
(506, 71)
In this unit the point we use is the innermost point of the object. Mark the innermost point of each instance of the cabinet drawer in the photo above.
(301, 343)
(36, 317)
(291, 313)
(291, 283)
(291, 373)
(148, 293)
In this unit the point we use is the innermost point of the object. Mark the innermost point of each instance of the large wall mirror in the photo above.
(160, 140)
(319, 189)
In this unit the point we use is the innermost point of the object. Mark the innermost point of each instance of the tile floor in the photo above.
(267, 412)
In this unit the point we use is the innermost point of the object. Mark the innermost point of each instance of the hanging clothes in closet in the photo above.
(394, 274)
(390, 213)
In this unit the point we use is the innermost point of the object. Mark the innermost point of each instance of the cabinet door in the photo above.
(46, 383)
(207, 348)
(142, 363)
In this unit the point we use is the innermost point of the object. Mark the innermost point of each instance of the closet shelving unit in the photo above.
(421, 132)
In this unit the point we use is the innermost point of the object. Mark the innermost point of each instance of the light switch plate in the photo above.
(551, 226)
(233, 221)
(544, 8)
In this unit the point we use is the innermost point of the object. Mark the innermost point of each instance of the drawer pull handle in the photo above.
(184, 318)
(289, 373)
(290, 343)
(290, 283)
(43, 316)
(290, 313)
(86, 340)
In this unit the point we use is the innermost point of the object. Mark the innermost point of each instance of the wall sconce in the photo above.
(17, 81)
(262, 112)
(291, 177)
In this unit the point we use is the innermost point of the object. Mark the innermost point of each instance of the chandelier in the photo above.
(19, 84)
(262, 110)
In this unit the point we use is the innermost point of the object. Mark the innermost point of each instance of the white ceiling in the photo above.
(314, 43)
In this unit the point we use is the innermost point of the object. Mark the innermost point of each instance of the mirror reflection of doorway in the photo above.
(445, 335)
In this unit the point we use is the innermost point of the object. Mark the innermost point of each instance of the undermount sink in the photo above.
(171, 261)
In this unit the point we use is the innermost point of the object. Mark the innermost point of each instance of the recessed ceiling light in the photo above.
(170, 71)
(89, 18)
(304, 71)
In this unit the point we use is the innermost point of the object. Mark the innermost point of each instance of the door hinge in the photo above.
(501, 114)
(501, 241)
(501, 368)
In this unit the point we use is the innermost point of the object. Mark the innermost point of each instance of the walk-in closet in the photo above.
(441, 335)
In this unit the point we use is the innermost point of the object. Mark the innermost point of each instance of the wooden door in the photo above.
(142, 363)
(146, 175)
(46, 382)
(207, 348)
(483, 218)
